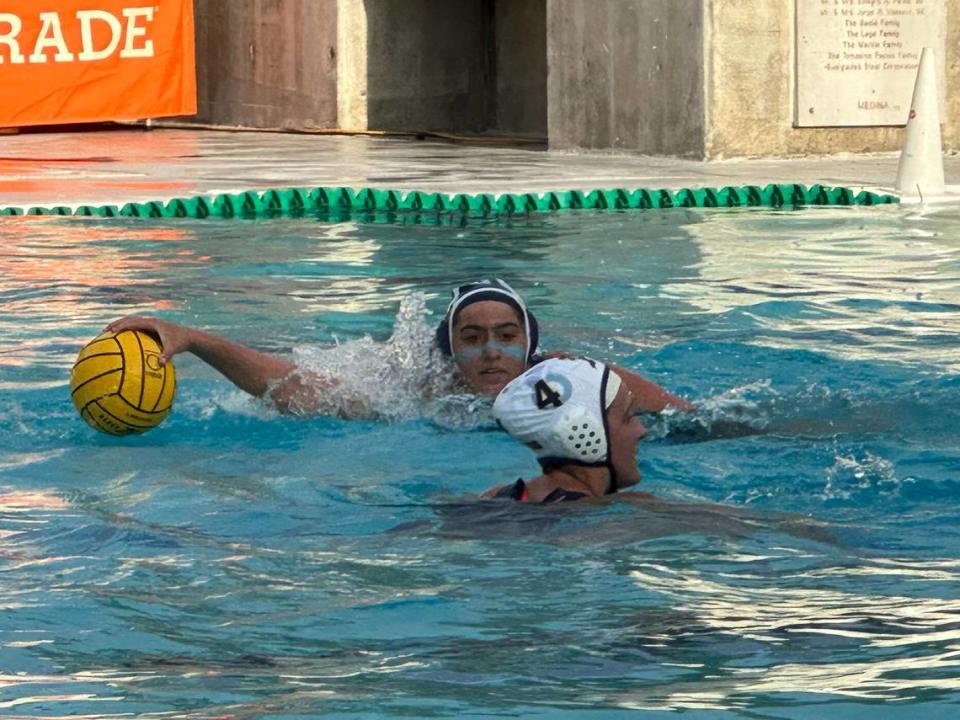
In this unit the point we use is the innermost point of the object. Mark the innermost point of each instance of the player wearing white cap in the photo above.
(581, 421)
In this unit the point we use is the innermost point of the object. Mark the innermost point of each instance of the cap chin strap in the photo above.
(613, 485)
(555, 463)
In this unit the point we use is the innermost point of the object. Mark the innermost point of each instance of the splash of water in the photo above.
(404, 378)
(851, 474)
(812, 411)
(740, 411)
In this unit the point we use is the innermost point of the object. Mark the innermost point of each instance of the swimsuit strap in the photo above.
(518, 491)
(561, 495)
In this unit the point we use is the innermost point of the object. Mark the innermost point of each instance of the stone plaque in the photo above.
(857, 59)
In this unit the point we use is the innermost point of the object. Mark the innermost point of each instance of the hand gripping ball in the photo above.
(118, 384)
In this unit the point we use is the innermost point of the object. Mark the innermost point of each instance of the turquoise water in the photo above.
(804, 559)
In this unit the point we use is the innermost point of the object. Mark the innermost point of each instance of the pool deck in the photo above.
(136, 165)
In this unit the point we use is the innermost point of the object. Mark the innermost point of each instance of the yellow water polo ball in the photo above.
(118, 384)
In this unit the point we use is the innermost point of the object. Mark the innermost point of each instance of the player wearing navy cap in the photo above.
(487, 330)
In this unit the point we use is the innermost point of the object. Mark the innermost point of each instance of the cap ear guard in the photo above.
(580, 434)
(442, 337)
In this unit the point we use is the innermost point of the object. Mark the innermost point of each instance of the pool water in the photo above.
(803, 559)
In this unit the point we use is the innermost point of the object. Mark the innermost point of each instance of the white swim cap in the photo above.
(556, 408)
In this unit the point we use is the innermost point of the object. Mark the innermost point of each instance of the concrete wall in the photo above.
(458, 65)
(626, 75)
(267, 63)
(352, 65)
(701, 78)
(951, 113)
(468, 66)
(520, 44)
(694, 78)
(750, 91)
(427, 65)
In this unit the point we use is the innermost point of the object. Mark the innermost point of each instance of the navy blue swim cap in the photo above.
(496, 290)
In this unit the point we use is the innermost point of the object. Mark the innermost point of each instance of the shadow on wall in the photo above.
(470, 66)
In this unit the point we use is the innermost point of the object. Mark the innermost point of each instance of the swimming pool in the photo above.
(236, 563)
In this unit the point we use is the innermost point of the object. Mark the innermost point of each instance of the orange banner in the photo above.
(66, 61)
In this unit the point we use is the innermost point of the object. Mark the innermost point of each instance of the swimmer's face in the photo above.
(624, 433)
(489, 345)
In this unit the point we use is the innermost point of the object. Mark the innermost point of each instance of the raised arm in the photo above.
(254, 372)
(650, 397)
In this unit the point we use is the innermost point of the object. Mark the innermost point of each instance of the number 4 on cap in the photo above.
(546, 395)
